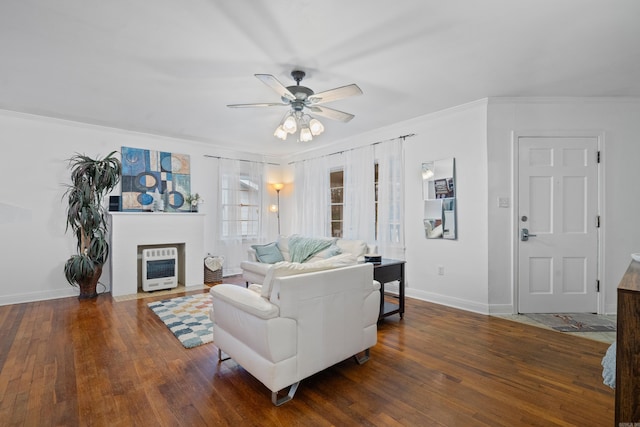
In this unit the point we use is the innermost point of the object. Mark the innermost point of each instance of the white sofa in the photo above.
(254, 271)
(308, 322)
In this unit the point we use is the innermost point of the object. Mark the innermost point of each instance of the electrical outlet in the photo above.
(441, 270)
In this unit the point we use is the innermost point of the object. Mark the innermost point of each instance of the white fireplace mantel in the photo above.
(130, 230)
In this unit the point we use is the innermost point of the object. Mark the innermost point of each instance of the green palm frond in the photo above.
(78, 267)
(91, 180)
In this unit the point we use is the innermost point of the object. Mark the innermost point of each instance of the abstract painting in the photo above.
(148, 175)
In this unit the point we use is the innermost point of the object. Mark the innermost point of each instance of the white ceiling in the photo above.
(170, 67)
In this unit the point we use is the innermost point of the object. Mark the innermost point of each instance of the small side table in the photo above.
(387, 271)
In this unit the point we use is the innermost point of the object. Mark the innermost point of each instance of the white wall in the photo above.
(458, 133)
(618, 120)
(32, 210)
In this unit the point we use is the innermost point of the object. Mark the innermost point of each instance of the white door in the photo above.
(558, 205)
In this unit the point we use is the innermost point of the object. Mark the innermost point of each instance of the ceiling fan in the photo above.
(300, 98)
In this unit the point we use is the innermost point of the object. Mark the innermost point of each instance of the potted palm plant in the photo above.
(91, 180)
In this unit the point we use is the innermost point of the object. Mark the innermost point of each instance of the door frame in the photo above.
(515, 230)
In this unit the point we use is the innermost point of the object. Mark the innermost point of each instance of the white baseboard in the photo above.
(454, 302)
(39, 296)
(501, 309)
(611, 309)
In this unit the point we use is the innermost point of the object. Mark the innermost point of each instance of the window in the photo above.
(336, 184)
(337, 201)
(240, 207)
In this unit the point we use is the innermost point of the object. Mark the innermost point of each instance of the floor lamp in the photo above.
(278, 187)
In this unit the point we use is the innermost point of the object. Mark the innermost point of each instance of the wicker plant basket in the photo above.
(213, 275)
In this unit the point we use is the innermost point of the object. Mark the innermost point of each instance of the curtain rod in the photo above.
(240, 160)
(409, 135)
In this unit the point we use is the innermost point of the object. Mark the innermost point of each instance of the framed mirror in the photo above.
(439, 194)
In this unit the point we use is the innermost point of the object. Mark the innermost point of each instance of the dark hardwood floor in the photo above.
(67, 362)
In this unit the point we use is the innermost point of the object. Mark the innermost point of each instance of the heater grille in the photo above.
(159, 268)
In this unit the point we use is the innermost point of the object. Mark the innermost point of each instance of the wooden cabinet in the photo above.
(628, 348)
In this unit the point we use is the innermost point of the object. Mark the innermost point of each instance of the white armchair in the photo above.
(310, 322)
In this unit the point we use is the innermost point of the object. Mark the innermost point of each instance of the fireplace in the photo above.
(133, 232)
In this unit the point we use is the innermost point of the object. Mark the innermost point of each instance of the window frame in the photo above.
(245, 201)
(339, 191)
(339, 170)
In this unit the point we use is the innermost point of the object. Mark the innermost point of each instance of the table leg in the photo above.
(381, 313)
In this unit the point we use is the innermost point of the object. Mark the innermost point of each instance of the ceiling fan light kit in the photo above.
(290, 124)
(316, 127)
(294, 120)
(298, 98)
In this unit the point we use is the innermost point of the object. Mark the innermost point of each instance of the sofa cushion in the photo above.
(283, 245)
(355, 247)
(331, 251)
(268, 253)
(285, 268)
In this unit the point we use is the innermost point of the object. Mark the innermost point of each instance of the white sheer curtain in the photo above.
(359, 194)
(390, 156)
(240, 211)
(311, 216)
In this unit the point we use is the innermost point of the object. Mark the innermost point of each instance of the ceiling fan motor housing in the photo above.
(301, 93)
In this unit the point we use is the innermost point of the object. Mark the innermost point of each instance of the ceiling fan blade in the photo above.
(258, 104)
(275, 84)
(335, 94)
(330, 113)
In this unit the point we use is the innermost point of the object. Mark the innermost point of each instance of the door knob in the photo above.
(524, 234)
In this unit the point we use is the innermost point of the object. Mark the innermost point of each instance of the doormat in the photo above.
(187, 317)
(575, 322)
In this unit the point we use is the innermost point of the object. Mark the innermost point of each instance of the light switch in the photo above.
(503, 202)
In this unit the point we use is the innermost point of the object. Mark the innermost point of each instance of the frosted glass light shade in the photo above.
(305, 134)
(316, 127)
(280, 133)
(290, 125)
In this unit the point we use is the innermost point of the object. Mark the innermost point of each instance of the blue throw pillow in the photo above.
(269, 253)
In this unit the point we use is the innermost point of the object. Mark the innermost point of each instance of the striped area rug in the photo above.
(187, 317)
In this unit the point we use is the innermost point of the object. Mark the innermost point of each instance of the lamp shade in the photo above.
(305, 134)
(280, 133)
(290, 124)
(316, 127)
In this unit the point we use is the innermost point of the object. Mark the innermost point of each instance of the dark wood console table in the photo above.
(387, 271)
(628, 348)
